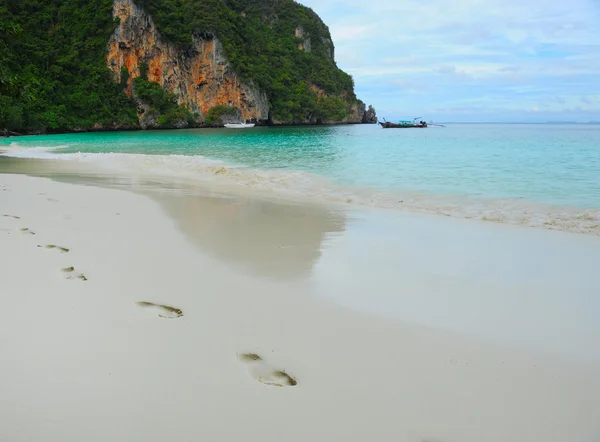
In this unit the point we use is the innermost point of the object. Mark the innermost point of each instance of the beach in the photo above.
(299, 221)
(136, 315)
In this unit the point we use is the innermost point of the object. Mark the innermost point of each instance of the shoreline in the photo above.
(79, 354)
(139, 129)
(294, 186)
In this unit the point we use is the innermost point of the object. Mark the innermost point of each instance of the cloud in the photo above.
(504, 55)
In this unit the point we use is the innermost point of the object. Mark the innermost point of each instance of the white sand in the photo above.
(80, 361)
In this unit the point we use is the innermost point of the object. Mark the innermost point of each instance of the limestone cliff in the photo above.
(197, 71)
(304, 44)
(200, 76)
(370, 116)
(359, 114)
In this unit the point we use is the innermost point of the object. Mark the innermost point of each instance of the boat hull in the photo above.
(239, 125)
(388, 125)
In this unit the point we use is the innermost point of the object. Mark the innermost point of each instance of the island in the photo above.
(148, 64)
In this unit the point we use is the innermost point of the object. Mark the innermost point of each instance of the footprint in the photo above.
(166, 311)
(26, 230)
(52, 246)
(264, 373)
(12, 216)
(72, 274)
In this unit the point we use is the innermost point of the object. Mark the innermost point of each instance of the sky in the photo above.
(470, 60)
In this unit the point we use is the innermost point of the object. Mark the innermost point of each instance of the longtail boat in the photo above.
(404, 124)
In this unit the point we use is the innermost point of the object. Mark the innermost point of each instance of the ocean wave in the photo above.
(14, 149)
(304, 186)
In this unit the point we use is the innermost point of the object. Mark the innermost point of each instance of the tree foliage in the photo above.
(53, 74)
(215, 114)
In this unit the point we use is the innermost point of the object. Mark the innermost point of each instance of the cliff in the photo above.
(362, 115)
(200, 77)
(266, 81)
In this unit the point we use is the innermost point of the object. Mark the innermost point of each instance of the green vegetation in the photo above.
(160, 101)
(53, 74)
(216, 112)
(259, 39)
(331, 108)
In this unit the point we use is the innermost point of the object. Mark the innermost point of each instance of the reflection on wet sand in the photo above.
(66, 172)
(268, 239)
(265, 238)
(28, 166)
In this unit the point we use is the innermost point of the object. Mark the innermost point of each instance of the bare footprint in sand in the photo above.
(52, 246)
(264, 373)
(166, 312)
(27, 231)
(70, 273)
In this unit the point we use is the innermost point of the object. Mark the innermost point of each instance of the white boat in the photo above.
(238, 125)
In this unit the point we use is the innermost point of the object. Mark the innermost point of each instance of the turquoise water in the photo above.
(500, 166)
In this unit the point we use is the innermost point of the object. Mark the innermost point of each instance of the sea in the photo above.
(537, 175)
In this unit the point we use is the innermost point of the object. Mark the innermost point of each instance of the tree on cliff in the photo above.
(53, 67)
(10, 89)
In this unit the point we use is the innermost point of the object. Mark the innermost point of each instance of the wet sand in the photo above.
(226, 318)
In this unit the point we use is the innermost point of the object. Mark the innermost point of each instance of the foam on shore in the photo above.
(305, 186)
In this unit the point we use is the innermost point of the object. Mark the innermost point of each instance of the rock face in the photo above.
(370, 116)
(305, 45)
(200, 76)
(148, 119)
(361, 115)
(357, 114)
